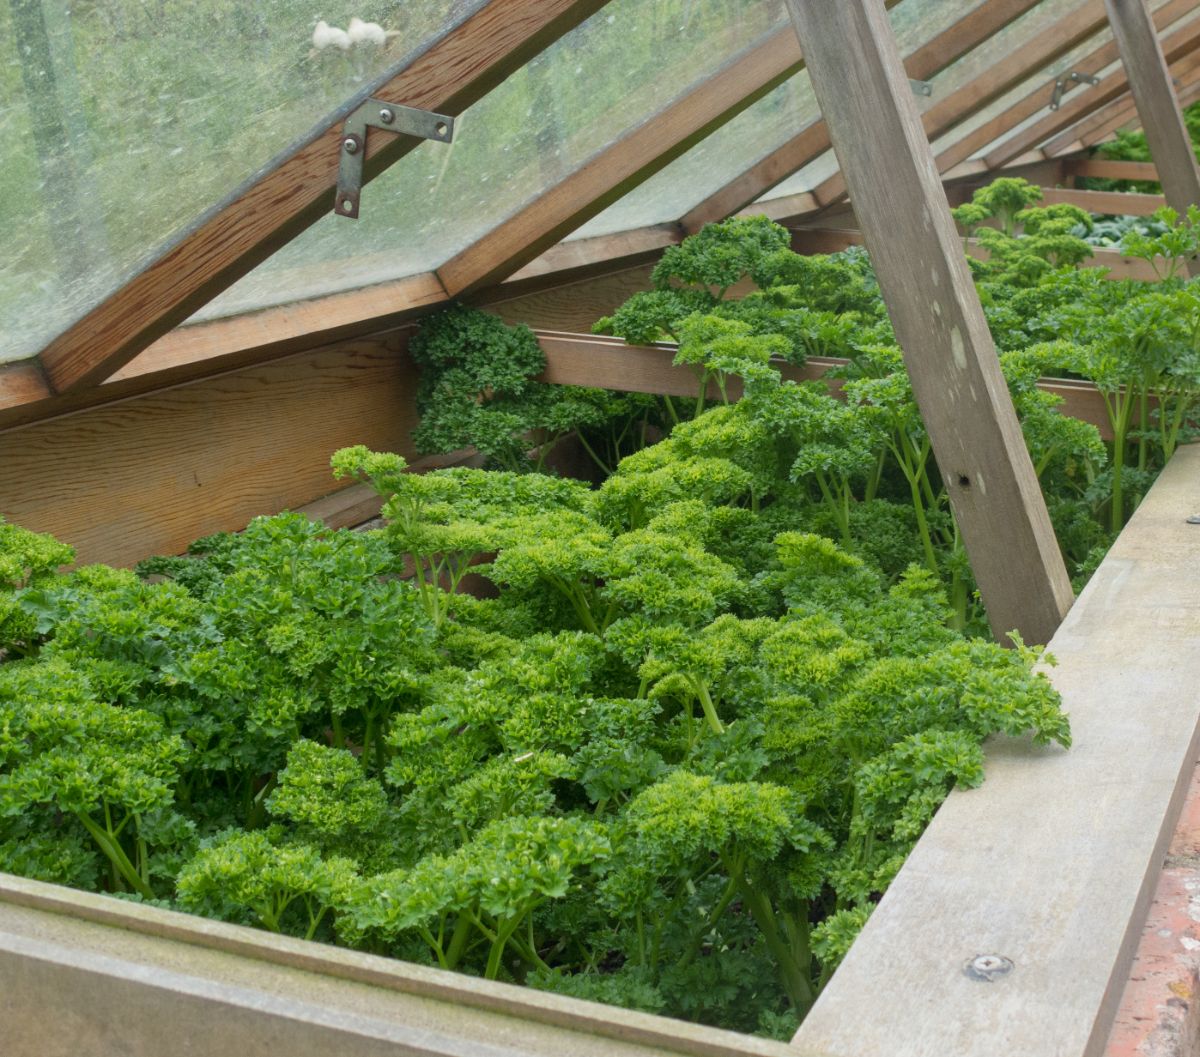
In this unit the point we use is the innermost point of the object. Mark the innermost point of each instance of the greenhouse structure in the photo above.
(566, 527)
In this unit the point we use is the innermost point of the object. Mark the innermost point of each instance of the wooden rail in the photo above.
(1051, 863)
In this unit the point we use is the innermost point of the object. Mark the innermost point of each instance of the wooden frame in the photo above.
(1039, 97)
(451, 73)
(812, 141)
(809, 144)
(1179, 44)
(1052, 862)
(1189, 92)
(916, 251)
(1075, 137)
(1158, 108)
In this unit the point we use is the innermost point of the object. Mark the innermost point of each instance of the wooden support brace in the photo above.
(865, 97)
(1150, 82)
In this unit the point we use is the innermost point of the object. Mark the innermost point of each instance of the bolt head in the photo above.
(350, 144)
(988, 967)
(387, 116)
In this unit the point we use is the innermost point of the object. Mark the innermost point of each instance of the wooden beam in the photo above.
(89, 974)
(1052, 862)
(864, 94)
(1079, 105)
(610, 363)
(1101, 169)
(623, 165)
(1039, 97)
(1115, 203)
(834, 240)
(450, 74)
(1158, 108)
(1073, 138)
(812, 141)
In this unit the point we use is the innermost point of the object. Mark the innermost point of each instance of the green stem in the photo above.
(116, 855)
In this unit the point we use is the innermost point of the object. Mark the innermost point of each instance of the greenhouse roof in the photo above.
(177, 164)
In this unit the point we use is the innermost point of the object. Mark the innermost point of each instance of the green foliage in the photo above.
(680, 749)
(479, 389)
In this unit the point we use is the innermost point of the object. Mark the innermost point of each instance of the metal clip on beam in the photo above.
(1065, 81)
(920, 87)
(376, 113)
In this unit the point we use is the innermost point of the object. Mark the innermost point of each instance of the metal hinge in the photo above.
(920, 87)
(1065, 81)
(376, 113)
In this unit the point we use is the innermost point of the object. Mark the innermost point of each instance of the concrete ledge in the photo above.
(91, 976)
(1052, 863)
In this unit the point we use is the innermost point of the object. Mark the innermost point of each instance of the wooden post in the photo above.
(1150, 82)
(866, 100)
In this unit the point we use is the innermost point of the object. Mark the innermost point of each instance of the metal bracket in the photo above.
(1065, 81)
(377, 113)
(920, 87)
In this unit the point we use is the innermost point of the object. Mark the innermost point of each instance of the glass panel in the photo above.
(1042, 81)
(622, 65)
(753, 134)
(122, 120)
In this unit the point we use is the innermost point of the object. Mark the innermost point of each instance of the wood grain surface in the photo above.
(147, 476)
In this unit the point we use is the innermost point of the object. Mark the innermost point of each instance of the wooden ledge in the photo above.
(1052, 862)
(87, 974)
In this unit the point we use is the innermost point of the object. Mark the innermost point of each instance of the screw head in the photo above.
(387, 115)
(350, 144)
(1194, 519)
(987, 967)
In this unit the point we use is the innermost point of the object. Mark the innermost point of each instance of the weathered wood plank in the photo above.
(1100, 169)
(610, 363)
(90, 976)
(917, 254)
(147, 476)
(1051, 863)
(1119, 203)
(1158, 108)
(448, 76)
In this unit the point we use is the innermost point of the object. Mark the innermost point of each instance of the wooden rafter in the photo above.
(1038, 98)
(812, 141)
(650, 147)
(623, 165)
(1177, 45)
(960, 105)
(1189, 92)
(451, 73)
(1123, 108)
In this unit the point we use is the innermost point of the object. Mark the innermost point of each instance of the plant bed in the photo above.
(676, 761)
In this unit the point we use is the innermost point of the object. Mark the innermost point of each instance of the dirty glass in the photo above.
(122, 121)
(605, 78)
